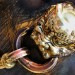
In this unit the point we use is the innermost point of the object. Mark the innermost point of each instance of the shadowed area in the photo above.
(12, 14)
(27, 42)
(66, 67)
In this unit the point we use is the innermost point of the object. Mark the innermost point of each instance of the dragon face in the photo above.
(54, 35)
(55, 31)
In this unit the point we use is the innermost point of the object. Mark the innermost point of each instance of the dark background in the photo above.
(14, 12)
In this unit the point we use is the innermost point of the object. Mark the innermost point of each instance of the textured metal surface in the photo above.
(10, 17)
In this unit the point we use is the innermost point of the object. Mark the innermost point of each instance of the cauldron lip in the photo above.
(48, 65)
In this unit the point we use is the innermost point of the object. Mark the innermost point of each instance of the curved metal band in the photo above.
(8, 59)
(38, 68)
(19, 53)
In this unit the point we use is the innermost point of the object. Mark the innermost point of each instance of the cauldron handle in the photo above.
(8, 59)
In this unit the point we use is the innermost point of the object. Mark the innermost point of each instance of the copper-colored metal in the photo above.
(49, 36)
(53, 33)
(8, 59)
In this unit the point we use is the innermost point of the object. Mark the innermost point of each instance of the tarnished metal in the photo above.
(53, 33)
(8, 59)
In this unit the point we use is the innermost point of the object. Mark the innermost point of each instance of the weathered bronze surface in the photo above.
(9, 27)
